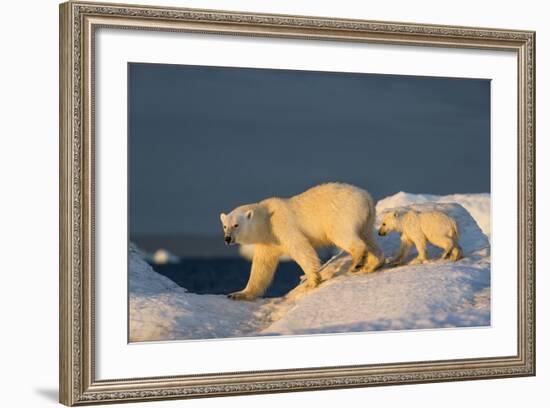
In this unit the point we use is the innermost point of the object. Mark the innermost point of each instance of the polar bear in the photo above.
(417, 228)
(328, 214)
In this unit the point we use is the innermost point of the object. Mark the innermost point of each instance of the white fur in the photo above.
(417, 228)
(329, 214)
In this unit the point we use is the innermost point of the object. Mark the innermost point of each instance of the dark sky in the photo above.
(203, 140)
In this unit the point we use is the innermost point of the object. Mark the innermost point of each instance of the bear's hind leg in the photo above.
(356, 248)
(375, 257)
(373, 263)
(359, 257)
(299, 249)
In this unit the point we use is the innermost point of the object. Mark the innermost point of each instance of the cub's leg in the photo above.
(419, 241)
(456, 253)
(451, 250)
(404, 249)
(447, 244)
(264, 264)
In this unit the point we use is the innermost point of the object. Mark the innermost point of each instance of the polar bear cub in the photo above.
(328, 214)
(417, 228)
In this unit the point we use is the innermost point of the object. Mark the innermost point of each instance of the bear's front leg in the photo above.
(241, 295)
(264, 264)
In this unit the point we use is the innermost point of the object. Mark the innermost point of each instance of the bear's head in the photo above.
(390, 223)
(238, 226)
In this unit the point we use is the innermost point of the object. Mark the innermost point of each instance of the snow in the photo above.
(162, 310)
(407, 297)
(437, 294)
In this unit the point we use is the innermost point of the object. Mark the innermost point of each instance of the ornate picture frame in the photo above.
(78, 24)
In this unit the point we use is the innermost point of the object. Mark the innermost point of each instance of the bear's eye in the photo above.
(236, 226)
(224, 227)
(384, 224)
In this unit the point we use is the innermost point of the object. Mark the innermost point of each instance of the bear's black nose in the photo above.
(227, 239)
(381, 233)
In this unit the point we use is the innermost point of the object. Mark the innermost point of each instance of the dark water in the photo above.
(225, 275)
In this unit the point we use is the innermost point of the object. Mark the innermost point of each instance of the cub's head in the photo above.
(237, 226)
(390, 223)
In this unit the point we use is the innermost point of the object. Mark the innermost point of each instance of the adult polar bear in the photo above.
(328, 214)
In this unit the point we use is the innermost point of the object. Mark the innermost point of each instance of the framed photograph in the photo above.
(255, 203)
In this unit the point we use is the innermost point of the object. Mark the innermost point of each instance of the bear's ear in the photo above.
(249, 214)
(222, 217)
